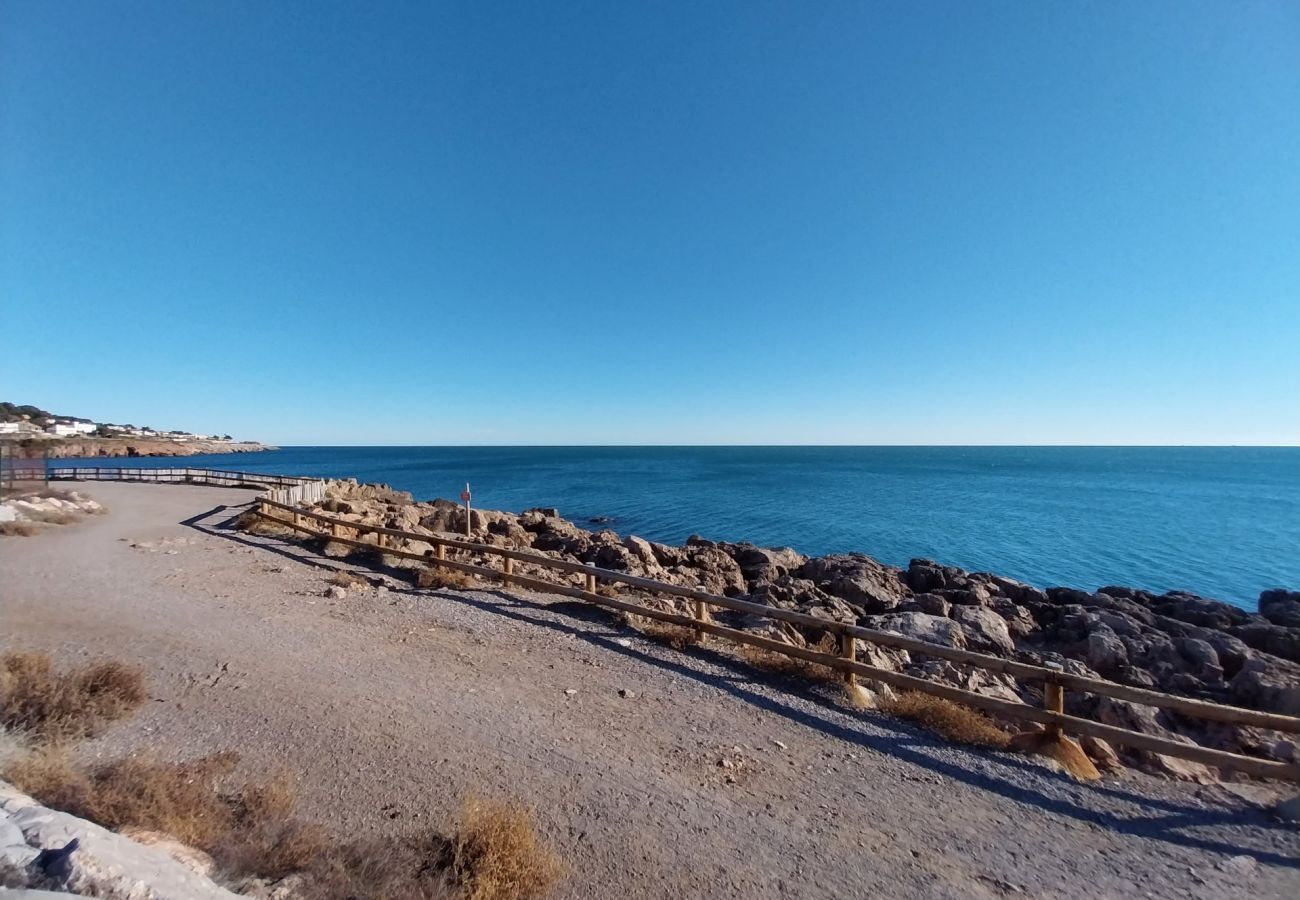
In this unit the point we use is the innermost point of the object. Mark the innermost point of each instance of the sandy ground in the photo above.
(392, 706)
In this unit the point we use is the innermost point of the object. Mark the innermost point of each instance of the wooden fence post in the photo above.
(849, 651)
(442, 553)
(701, 614)
(591, 583)
(1054, 699)
(507, 569)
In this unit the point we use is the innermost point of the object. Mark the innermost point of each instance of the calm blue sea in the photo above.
(1221, 522)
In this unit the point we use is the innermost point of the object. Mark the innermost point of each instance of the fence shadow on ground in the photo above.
(865, 729)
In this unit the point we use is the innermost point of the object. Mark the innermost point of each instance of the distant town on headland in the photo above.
(26, 421)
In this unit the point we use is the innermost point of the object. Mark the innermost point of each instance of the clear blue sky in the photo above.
(743, 222)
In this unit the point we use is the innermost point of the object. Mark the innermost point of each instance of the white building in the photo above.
(19, 428)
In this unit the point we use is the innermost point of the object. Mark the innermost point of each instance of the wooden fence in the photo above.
(313, 489)
(1055, 683)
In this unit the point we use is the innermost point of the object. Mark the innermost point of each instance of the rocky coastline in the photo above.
(1175, 642)
(89, 448)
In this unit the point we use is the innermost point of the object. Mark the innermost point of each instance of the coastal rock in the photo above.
(985, 630)
(1150, 720)
(1281, 607)
(922, 627)
(1272, 686)
(1104, 651)
(857, 579)
(930, 604)
(644, 553)
(1100, 752)
(763, 563)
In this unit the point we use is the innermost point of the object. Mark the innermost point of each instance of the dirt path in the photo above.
(391, 706)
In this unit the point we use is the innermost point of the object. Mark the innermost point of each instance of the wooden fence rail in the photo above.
(1055, 682)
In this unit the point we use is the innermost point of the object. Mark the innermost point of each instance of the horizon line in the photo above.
(792, 445)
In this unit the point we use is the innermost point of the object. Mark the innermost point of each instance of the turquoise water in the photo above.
(1218, 521)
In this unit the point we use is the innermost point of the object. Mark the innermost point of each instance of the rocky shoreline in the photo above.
(1176, 642)
(88, 448)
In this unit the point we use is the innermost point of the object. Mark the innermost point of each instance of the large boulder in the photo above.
(1269, 685)
(1104, 651)
(857, 579)
(985, 630)
(922, 627)
(1149, 720)
(1281, 607)
(764, 563)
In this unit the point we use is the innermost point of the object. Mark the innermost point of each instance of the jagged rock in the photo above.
(858, 579)
(1272, 687)
(1105, 652)
(104, 865)
(1019, 620)
(643, 551)
(931, 604)
(764, 563)
(1100, 752)
(1149, 720)
(985, 630)
(922, 627)
(924, 575)
(1281, 607)
(1275, 639)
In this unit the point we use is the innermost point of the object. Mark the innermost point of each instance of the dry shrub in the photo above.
(496, 854)
(443, 577)
(252, 522)
(18, 529)
(55, 516)
(345, 579)
(53, 706)
(1059, 748)
(247, 831)
(679, 637)
(790, 666)
(413, 867)
(944, 717)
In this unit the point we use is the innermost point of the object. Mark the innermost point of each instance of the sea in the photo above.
(1222, 522)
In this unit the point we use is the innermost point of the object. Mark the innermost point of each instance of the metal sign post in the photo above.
(464, 495)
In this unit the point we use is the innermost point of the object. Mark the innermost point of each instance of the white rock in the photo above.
(336, 593)
(111, 866)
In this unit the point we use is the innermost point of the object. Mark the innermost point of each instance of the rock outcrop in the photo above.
(1175, 642)
(104, 864)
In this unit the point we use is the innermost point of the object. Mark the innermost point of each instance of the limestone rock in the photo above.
(923, 627)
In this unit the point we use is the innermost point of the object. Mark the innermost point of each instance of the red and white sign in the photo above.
(464, 495)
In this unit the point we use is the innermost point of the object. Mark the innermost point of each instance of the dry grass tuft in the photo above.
(55, 517)
(789, 666)
(54, 706)
(679, 637)
(1064, 751)
(18, 529)
(253, 523)
(944, 717)
(345, 579)
(496, 854)
(408, 868)
(248, 831)
(443, 577)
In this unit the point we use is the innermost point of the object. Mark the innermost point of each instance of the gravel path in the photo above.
(706, 781)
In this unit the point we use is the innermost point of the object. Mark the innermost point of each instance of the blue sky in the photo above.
(655, 223)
